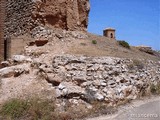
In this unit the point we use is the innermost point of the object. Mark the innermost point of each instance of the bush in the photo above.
(155, 89)
(36, 109)
(124, 44)
(83, 44)
(94, 41)
(136, 64)
(14, 108)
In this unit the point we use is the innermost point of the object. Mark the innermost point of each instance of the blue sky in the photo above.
(135, 21)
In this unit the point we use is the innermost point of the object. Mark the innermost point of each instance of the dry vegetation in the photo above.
(106, 47)
(38, 109)
(155, 89)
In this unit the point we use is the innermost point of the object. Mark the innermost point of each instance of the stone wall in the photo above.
(19, 17)
(2, 17)
(24, 15)
(109, 79)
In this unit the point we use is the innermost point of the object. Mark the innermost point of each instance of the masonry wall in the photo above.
(24, 15)
(21, 16)
(107, 33)
(2, 17)
(18, 44)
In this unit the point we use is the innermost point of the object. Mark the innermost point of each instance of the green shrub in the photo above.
(14, 108)
(83, 44)
(155, 89)
(94, 41)
(124, 44)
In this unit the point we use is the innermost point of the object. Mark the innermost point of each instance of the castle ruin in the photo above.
(18, 17)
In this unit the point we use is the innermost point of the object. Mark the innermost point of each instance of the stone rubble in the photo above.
(89, 78)
(15, 70)
(46, 33)
(109, 78)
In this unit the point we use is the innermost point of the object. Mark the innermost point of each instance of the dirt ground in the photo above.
(142, 106)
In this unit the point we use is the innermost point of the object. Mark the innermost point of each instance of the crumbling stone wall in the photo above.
(110, 79)
(65, 14)
(24, 15)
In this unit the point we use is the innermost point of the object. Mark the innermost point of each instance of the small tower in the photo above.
(110, 33)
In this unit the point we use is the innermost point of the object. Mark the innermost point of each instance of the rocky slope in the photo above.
(79, 77)
(49, 70)
(102, 78)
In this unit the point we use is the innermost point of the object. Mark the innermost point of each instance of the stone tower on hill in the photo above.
(18, 17)
(110, 33)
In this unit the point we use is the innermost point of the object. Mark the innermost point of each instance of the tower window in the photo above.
(111, 35)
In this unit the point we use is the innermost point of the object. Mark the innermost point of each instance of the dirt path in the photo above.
(144, 109)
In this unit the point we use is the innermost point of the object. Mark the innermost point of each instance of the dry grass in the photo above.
(106, 47)
(35, 109)
(102, 108)
(137, 64)
(38, 109)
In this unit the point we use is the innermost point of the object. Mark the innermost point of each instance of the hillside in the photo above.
(56, 70)
(107, 47)
(70, 71)
(80, 43)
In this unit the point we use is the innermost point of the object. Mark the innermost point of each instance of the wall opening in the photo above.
(5, 49)
(111, 35)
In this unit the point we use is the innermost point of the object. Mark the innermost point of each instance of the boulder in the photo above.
(45, 68)
(21, 58)
(7, 72)
(99, 96)
(146, 49)
(54, 79)
(70, 90)
(14, 71)
(4, 64)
